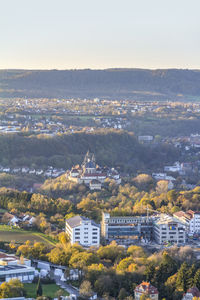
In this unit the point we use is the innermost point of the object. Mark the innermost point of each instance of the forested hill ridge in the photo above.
(111, 147)
(136, 84)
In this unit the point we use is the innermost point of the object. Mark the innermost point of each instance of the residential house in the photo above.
(146, 289)
(191, 293)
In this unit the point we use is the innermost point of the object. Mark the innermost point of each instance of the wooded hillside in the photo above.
(138, 84)
(112, 148)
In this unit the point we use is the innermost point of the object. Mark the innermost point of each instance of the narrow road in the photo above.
(67, 287)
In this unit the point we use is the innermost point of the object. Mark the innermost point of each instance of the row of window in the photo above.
(171, 237)
(78, 229)
(14, 275)
(86, 234)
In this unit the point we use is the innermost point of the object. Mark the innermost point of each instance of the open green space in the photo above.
(49, 290)
(8, 234)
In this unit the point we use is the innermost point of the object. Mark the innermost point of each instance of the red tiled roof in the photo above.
(191, 212)
(94, 175)
(188, 214)
(146, 288)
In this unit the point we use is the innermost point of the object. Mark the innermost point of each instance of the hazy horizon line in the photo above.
(97, 69)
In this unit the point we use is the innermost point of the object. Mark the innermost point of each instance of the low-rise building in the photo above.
(168, 229)
(163, 176)
(95, 184)
(146, 289)
(10, 259)
(21, 272)
(12, 268)
(145, 138)
(83, 231)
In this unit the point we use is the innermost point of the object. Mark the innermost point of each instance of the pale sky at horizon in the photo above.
(98, 34)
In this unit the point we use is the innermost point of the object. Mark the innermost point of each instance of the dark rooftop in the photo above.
(77, 220)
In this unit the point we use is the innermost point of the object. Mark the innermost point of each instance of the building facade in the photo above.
(11, 267)
(122, 227)
(191, 219)
(21, 272)
(191, 293)
(146, 289)
(95, 184)
(169, 230)
(83, 231)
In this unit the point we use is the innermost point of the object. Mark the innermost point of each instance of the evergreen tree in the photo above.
(150, 272)
(197, 279)
(122, 294)
(191, 274)
(167, 268)
(182, 277)
(39, 288)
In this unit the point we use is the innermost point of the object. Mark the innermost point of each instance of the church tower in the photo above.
(89, 163)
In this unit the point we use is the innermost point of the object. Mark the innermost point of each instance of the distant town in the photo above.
(98, 191)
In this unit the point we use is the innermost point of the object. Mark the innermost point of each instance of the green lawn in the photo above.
(8, 234)
(49, 290)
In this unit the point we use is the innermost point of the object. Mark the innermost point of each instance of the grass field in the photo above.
(8, 234)
(49, 290)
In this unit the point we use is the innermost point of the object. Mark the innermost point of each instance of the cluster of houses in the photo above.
(179, 169)
(27, 111)
(17, 219)
(92, 174)
(47, 172)
(116, 123)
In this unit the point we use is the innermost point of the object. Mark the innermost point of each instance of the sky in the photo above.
(98, 34)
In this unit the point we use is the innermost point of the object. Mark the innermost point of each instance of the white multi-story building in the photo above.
(169, 230)
(83, 231)
(191, 219)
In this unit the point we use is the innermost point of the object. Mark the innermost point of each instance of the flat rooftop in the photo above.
(12, 267)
